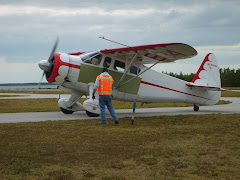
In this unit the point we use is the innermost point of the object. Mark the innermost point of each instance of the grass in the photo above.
(232, 88)
(57, 91)
(35, 91)
(9, 96)
(51, 105)
(230, 94)
(166, 147)
(28, 105)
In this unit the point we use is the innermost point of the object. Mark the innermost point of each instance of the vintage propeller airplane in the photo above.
(133, 81)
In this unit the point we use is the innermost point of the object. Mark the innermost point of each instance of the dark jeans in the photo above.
(106, 101)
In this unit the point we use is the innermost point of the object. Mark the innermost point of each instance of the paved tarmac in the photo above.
(232, 108)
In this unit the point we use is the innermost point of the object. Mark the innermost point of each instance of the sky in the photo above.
(30, 28)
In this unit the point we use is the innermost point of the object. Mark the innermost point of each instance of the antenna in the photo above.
(113, 41)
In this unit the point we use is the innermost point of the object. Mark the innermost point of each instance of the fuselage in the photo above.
(74, 73)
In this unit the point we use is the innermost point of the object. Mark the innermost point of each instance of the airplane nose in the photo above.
(45, 65)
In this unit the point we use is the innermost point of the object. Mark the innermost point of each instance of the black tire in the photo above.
(195, 108)
(90, 114)
(65, 111)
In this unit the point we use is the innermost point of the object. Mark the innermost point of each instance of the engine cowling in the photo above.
(60, 69)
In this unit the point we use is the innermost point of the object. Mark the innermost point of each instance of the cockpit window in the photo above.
(95, 60)
(87, 56)
(120, 66)
(134, 70)
(107, 62)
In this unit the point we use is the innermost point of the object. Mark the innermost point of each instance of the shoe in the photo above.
(116, 122)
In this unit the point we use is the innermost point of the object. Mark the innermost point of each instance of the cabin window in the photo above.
(95, 60)
(120, 66)
(134, 70)
(107, 62)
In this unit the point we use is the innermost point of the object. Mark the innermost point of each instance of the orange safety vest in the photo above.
(105, 85)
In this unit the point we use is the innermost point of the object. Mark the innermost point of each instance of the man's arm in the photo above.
(96, 85)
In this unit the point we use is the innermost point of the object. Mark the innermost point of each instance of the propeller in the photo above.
(50, 59)
(39, 84)
(46, 65)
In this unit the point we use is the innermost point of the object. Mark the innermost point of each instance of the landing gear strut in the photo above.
(195, 107)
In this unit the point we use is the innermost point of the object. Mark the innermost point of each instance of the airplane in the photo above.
(133, 80)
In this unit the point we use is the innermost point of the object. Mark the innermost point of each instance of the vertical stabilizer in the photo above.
(208, 73)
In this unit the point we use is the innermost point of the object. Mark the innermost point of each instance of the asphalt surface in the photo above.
(231, 108)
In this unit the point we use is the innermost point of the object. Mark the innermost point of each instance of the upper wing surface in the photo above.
(150, 54)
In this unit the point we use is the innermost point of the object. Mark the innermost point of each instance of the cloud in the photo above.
(186, 68)
(129, 12)
(29, 28)
(223, 53)
(52, 11)
(19, 72)
(227, 55)
(233, 49)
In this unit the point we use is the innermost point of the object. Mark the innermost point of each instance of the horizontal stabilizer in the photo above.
(207, 88)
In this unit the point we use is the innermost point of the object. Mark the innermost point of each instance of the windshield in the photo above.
(87, 56)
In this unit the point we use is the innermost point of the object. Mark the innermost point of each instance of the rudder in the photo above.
(208, 73)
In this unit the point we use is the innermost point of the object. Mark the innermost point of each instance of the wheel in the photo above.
(65, 111)
(195, 107)
(90, 114)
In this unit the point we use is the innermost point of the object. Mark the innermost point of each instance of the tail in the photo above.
(208, 76)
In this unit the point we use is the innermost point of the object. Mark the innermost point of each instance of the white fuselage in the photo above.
(154, 86)
(159, 87)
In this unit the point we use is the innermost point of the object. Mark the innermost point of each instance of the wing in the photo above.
(150, 54)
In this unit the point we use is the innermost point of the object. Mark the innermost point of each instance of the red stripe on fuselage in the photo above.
(155, 85)
(74, 66)
(70, 65)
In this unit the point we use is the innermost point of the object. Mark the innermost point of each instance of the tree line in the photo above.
(229, 77)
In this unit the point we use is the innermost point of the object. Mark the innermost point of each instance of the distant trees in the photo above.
(185, 77)
(229, 77)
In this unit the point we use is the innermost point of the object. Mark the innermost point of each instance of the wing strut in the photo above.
(139, 74)
(127, 69)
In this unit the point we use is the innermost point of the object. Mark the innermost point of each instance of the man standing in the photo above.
(104, 86)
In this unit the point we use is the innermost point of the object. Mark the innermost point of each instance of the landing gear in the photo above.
(70, 105)
(90, 114)
(195, 107)
(65, 111)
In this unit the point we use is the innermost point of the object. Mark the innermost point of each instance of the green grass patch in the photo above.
(230, 94)
(35, 91)
(232, 88)
(51, 105)
(165, 147)
(10, 96)
(57, 91)
(28, 105)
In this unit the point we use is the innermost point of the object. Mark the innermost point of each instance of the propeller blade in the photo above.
(53, 50)
(39, 84)
(46, 65)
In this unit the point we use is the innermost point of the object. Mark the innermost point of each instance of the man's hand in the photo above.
(93, 96)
